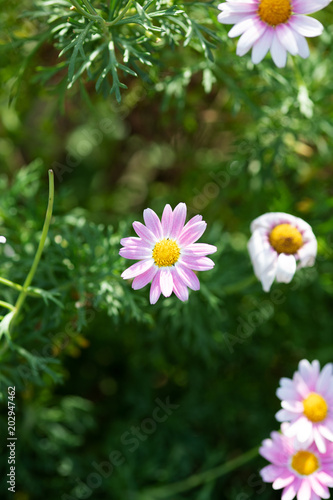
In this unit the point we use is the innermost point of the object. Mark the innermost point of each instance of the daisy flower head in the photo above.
(276, 25)
(307, 403)
(280, 243)
(299, 470)
(167, 253)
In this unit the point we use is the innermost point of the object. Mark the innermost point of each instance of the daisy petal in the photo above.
(155, 289)
(152, 222)
(286, 268)
(166, 282)
(137, 268)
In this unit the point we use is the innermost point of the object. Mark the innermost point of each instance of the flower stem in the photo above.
(203, 477)
(7, 305)
(89, 15)
(29, 278)
(31, 291)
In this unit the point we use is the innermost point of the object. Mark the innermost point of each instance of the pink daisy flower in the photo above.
(307, 402)
(168, 253)
(276, 25)
(280, 243)
(299, 470)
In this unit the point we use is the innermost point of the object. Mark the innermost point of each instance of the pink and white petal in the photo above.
(144, 278)
(241, 27)
(306, 371)
(167, 220)
(262, 46)
(199, 250)
(144, 233)
(325, 478)
(283, 393)
(278, 53)
(198, 264)
(301, 387)
(240, 7)
(179, 216)
(286, 38)
(188, 277)
(304, 492)
(166, 282)
(325, 378)
(268, 221)
(309, 6)
(192, 234)
(248, 39)
(286, 268)
(286, 382)
(191, 222)
(290, 491)
(153, 222)
(271, 472)
(180, 290)
(293, 406)
(307, 253)
(283, 415)
(306, 26)
(155, 289)
(304, 430)
(319, 440)
(325, 432)
(135, 253)
(137, 268)
(320, 489)
(233, 17)
(302, 45)
(131, 241)
(285, 478)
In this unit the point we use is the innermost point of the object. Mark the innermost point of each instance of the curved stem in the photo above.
(31, 290)
(92, 17)
(29, 278)
(203, 477)
(6, 305)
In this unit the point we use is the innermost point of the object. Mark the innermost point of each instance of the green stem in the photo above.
(31, 290)
(121, 15)
(29, 278)
(92, 17)
(90, 7)
(7, 305)
(203, 477)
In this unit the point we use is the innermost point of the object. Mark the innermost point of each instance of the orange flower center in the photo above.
(166, 253)
(274, 12)
(315, 407)
(285, 239)
(305, 462)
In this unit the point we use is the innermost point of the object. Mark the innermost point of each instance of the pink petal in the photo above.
(144, 278)
(135, 253)
(144, 233)
(270, 473)
(191, 234)
(278, 53)
(325, 379)
(155, 289)
(262, 46)
(167, 219)
(304, 493)
(191, 222)
(198, 264)
(166, 282)
(319, 440)
(180, 290)
(137, 268)
(153, 222)
(286, 38)
(320, 489)
(199, 250)
(286, 477)
(179, 216)
(289, 492)
(306, 26)
(248, 39)
(188, 277)
(309, 6)
(131, 242)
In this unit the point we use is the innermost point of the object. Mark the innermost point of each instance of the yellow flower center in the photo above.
(274, 12)
(315, 407)
(166, 253)
(285, 239)
(305, 462)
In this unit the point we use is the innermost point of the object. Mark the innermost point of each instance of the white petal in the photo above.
(241, 27)
(309, 6)
(307, 253)
(278, 52)
(166, 282)
(262, 46)
(286, 268)
(248, 38)
(319, 440)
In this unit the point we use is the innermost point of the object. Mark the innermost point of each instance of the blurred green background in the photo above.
(260, 140)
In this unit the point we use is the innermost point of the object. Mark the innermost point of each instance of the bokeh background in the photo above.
(93, 361)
